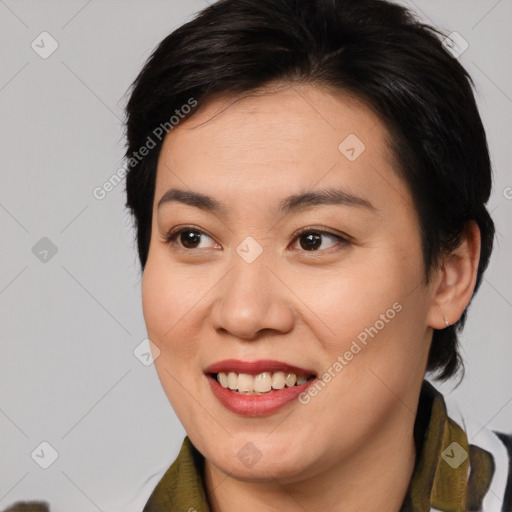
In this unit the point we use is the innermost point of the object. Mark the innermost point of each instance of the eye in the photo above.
(311, 239)
(189, 238)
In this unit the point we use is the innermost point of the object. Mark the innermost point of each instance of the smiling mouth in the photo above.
(261, 384)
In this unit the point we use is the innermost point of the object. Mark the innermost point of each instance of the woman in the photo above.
(312, 228)
(308, 180)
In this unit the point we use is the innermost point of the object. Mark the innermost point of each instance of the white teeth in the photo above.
(223, 379)
(290, 380)
(278, 380)
(245, 382)
(261, 383)
(232, 380)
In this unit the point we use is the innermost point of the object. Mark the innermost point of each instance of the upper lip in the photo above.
(256, 367)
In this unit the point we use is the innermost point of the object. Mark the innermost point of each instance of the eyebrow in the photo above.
(293, 203)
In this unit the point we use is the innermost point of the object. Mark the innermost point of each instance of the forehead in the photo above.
(289, 139)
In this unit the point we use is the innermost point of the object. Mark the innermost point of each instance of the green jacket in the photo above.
(440, 479)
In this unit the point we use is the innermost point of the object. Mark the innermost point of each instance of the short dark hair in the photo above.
(374, 50)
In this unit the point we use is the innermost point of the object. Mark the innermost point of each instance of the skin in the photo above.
(206, 303)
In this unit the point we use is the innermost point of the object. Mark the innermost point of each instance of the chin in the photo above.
(266, 469)
(256, 458)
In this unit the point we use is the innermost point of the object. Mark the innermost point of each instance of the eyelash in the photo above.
(170, 238)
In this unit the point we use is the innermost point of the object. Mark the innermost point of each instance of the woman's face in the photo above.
(345, 301)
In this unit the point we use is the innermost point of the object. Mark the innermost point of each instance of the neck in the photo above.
(383, 466)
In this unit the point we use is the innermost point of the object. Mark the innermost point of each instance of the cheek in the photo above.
(157, 291)
(168, 307)
(352, 298)
(168, 295)
(372, 313)
(167, 313)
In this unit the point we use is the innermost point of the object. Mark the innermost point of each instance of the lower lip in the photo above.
(256, 405)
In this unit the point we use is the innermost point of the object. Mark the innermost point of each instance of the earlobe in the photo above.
(457, 278)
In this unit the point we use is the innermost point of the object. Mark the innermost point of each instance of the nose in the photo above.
(252, 301)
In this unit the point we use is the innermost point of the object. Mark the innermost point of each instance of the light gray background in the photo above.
(69, 326)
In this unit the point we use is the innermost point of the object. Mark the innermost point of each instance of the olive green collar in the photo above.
(182, 486)
(435, 483)
(439, 481)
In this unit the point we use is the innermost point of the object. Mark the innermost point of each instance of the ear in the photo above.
(455, 281)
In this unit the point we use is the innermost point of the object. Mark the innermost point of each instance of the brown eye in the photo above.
(190, 239)
(187, 238)
(311, 240)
